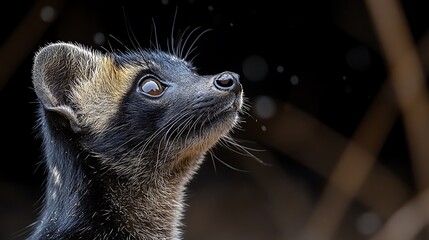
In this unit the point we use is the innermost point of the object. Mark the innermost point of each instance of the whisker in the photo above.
(228, 165)
(157, 46)
(130, 32)
(180, 41)
(186, 41)
(125, 46)
(170, 123)
(167, 137)
(110, 46)
(210, 151)
(127, 23)
(144, 144)
(183, 126)
(234, 146)
(193, 126)
(191, 48)
(172, 33)
(105, 49)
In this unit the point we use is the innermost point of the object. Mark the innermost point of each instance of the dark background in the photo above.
(320, 58)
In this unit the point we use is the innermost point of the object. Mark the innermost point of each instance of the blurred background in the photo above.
(339, 111)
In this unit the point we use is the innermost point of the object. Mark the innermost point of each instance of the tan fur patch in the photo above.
(201, 146)
(98, 97)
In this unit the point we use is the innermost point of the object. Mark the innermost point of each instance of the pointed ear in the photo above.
(56, 68)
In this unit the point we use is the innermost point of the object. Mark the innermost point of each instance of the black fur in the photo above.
(127, 180)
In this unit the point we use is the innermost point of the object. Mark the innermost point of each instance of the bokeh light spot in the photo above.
(294, 80)
(348, 89)
(265, 107)
(280, 69)
(255, 68)
(47, 14)
(99, 38)
(358, 58)
(368, 223)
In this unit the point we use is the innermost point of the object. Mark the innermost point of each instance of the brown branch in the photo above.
(407, 78)
(315, 145)
(407, 222)
(353, 168)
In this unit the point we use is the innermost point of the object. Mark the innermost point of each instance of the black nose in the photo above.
(228, 81)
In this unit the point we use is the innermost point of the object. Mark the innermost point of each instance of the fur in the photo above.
(118, 160)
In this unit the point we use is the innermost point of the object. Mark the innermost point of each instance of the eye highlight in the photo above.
(151, 86)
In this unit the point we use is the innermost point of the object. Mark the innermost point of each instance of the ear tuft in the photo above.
(57, 67)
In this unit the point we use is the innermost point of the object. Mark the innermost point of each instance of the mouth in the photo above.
(231, 107)
(213, 121)
(217, 112)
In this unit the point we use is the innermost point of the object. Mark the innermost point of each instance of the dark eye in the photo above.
(150, 86)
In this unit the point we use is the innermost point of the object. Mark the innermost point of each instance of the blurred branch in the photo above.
(355, 165)
(22, 40)
(407, 78)
(407, 222)
(315, 145)
(353, 168)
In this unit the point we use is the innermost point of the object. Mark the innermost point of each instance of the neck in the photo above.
(81, 202)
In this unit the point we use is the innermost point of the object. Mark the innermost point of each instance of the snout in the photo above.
(228, 81)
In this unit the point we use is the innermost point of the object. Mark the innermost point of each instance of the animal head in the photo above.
(139, 111)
